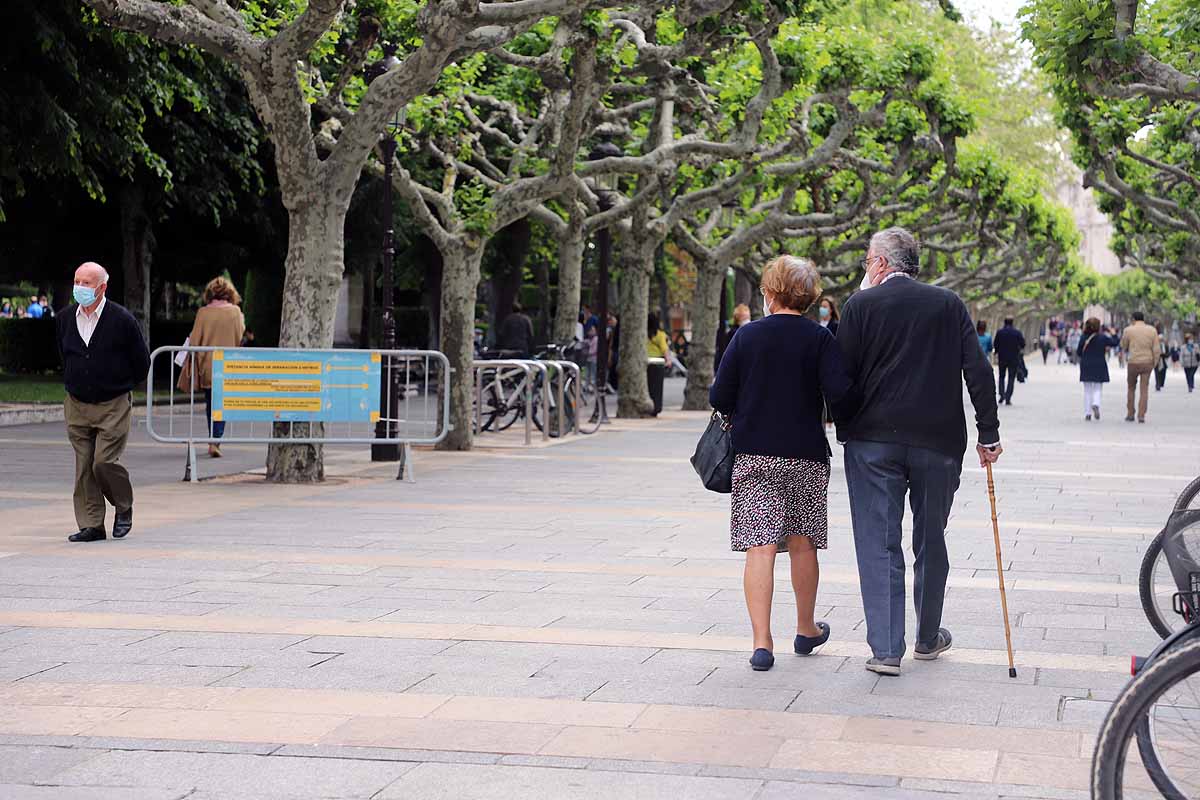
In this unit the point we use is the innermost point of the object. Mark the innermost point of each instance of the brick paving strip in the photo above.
(564, 622)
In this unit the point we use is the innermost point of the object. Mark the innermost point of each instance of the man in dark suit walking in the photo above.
(104, 356)
(1010, 346)
(908, 347)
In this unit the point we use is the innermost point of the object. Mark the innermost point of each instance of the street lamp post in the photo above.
(385, 428)
(605, 149)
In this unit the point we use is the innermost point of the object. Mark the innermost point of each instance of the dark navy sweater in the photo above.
(773, 380)
(113, 363)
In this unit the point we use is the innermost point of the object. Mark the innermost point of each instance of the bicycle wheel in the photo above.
(1164, 699)
(510, 390)
(568, 410)
(590, 412)
(1188, 495)
(1156, 584)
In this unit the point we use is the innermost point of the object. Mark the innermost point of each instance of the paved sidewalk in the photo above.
(558, 622)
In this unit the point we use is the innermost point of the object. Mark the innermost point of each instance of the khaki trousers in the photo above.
(98, 432)
(1133, 374)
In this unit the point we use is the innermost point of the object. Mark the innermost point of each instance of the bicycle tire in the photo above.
(1154, 553)
(516, 410)
(1189, 493)
(590, 414)
(1131, 707)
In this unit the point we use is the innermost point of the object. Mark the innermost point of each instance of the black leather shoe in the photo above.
(87, 535)
(123, 523)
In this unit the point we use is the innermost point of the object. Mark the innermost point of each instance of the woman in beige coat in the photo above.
(219, 323)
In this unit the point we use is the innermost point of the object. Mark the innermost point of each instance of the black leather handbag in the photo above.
(713, 459)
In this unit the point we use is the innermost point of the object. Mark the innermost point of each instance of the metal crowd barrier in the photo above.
(549, 370)
(274, 386)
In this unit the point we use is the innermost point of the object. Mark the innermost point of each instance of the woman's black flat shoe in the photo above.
(762, 660)
(806, 644)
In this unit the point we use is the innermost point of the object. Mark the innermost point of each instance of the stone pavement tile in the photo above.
(54, 720)
(960, 711)
(740, 722)
(220, 725)
(717, 696)
(24, 764)
(19, 792)
(230, 775)
(387, 754)
(453, 782)
(443, 734)
(381, 679)
(679, 747)
(630, 765)
(230, 641)
(119, 695)
(800, 776)
(931, 686)
(16, 670)
(341, 702)
(63, 636)
(1085, 621)
(478, 680)
(136, 673)
(972, 737)
(1108, 681)
(381, 650)
(185, 606)
(207, 657)
(1046, 771)
(42, 604)
(541, 653)
(280, 611)
(812, 673)
(553, 762)
(550, 712)
(781, 790)
(877, 758)
(1002, 790)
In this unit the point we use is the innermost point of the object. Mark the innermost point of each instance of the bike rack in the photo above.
(564, 367)
(509, 364)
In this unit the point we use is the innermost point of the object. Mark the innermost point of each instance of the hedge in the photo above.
(28, 345)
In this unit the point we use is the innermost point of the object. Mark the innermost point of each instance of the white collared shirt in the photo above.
(86, 323)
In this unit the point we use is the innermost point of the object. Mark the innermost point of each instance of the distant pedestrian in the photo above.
(1160, 365)
(908, 348)
(1060, 341)
(658, 348)
(741, 317)
(1046, 342)
(6, 310)
(516, 333)
(1139, 341)
(34, 309)
(104, 357)
(1093, 365)
(1189, 358)
(827, 314)
(771, 383)
(985, 339)
(614, 350)
(1074, 337)
(1010, 349)
(219, 323)
(47, 309)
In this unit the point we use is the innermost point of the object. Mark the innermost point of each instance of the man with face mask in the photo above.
(908, 347)
(104, 357)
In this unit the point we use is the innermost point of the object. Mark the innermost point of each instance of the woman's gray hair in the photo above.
(900, 249)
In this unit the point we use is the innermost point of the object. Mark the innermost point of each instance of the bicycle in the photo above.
(1160, 707)
(1156, 585)
(588, 417)
(504, 393)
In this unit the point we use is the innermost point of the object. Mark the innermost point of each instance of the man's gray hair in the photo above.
(900, 249)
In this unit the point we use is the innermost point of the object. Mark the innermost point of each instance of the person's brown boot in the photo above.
(214, 451)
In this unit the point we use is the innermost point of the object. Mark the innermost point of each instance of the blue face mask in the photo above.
(84, 295)
(823, 312)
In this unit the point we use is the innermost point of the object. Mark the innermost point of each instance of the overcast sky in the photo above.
(981, 12)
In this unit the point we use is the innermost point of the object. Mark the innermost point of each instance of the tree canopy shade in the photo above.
(1128, 88)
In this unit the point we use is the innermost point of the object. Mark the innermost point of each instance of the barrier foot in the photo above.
(190, 473)
(406, 465)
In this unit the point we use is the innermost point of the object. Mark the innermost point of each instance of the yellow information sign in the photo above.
(274, 367)
(241, 403)
(272, 385)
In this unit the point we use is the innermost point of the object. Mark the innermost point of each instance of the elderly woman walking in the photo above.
(772, 382)
(219, 323)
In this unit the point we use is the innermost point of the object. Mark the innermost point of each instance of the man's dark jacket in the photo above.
(113, 363)
(1009, 344)
(908, 347)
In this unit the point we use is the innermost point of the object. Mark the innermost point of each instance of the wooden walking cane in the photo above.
(1012, 670)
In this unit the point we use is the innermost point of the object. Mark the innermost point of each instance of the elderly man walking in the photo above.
(908, 347)
(1140, 343)
(104, 356)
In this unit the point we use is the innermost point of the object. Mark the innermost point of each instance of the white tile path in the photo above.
(561, 622)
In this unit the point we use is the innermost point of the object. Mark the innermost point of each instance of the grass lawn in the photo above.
(49, 389)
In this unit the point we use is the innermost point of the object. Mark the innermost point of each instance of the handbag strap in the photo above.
(725, 422)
